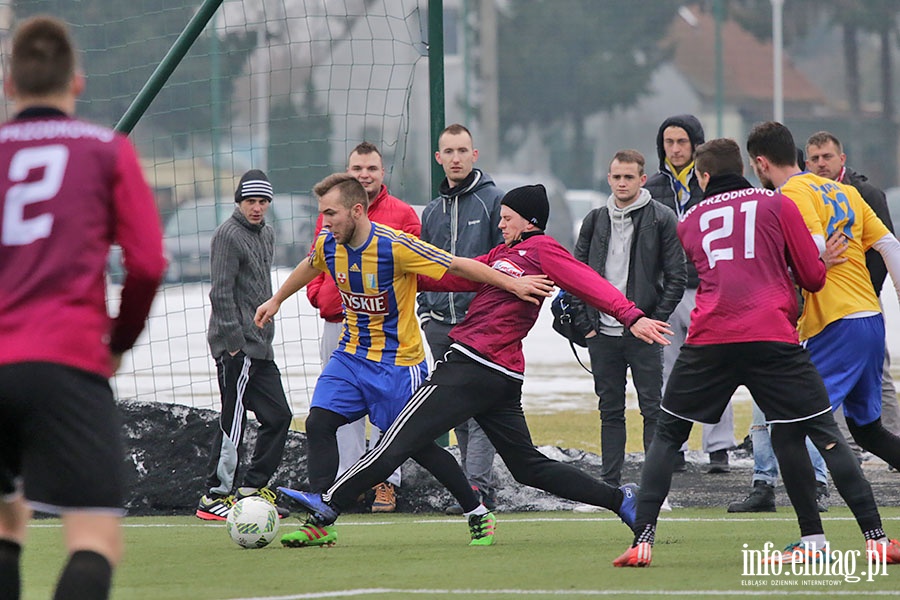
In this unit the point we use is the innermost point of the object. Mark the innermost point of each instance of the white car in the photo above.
(581, 202)
(188, 232)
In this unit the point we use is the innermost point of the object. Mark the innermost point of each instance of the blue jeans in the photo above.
(765, 466)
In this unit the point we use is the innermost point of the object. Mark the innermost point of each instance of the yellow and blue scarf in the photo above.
(681, 184)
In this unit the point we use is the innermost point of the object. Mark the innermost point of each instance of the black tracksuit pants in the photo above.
(460, 388)
(788, 441)
(248, 384)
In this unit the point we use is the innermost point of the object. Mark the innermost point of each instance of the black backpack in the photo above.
(564, 323)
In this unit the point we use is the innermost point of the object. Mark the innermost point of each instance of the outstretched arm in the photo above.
(530, 289)
(447, 283)
(584, 282)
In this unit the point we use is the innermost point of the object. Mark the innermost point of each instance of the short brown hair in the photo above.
(630, 156)
(365, 148)
(351, 191)
(820, 138)
(43, 57)
(456, 129)
(719, 156)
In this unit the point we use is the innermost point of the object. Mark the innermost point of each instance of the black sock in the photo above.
(10, 583)
(87, 576)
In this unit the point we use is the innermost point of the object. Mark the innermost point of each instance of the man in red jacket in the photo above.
(68, 190)
(365, 163)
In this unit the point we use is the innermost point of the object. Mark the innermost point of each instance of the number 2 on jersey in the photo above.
(724, 230)
(17, 230)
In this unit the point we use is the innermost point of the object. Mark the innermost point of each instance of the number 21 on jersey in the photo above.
(718, 224)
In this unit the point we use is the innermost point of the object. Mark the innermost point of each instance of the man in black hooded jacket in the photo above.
(676, 186)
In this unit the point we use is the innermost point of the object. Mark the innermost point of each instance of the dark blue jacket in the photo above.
(464, 221)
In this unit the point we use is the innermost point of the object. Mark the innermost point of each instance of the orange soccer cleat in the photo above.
(636, 556)
(888, 551)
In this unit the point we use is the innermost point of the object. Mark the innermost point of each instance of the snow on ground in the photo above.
(171, 362)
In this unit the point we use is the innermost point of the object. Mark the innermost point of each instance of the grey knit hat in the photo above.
(254, 184)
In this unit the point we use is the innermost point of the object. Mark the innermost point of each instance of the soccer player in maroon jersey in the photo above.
(481, 375)
(745, 243)
(68, 189)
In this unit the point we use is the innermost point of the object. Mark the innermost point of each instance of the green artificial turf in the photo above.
(537, 555)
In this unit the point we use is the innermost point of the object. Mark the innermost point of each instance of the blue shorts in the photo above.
(355, 387)
(849, 355)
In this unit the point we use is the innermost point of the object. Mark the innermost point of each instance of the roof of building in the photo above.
(748, 63)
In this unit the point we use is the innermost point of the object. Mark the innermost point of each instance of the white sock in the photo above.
(247, 491)
(480, 510)
(817, 539)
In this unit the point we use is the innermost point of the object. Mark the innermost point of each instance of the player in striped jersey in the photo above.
(380, 359)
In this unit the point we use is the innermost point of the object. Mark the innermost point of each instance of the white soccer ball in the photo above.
(252, 522)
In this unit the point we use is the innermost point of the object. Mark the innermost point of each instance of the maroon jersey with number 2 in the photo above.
(69, 189)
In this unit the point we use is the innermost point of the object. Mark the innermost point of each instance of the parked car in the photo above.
(559, 223)
(581, 202)
(188, 231)
(187, 235)
(295, 227)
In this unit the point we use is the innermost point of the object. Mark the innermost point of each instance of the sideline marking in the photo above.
(457, 521)
(568, 593)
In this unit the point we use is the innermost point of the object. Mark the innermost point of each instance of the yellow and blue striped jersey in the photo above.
(828, 206)
(377, 283)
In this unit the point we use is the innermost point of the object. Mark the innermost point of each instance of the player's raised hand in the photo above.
(651, 331)
(532, 288)
(266, 312)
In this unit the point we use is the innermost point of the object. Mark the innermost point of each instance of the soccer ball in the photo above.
(252, 522)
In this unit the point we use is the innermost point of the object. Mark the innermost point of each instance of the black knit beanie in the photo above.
(531, 202)
(254, 184)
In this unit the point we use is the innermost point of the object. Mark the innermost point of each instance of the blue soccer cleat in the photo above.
(319, 510)
(628, 511)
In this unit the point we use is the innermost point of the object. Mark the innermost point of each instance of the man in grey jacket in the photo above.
(633, 243)
(463, 220)
(241, 262)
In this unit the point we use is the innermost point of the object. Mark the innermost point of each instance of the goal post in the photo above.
(207, 90)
